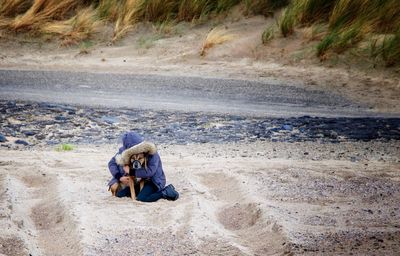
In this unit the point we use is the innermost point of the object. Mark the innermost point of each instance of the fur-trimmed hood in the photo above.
(143, 147)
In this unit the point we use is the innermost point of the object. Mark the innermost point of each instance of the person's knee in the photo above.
(125, 192)
(120, 194)
(143, 198)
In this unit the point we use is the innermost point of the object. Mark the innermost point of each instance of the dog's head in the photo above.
(137, 152)
(138, 161)
(138, 157)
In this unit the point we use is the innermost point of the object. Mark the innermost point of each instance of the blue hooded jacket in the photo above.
(154, 170)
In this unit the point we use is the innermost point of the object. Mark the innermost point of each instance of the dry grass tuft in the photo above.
(12, 8)
(126, 19)
(108, 9)
(43, 11)
(217, 35)
(5, 23)
(78, 28)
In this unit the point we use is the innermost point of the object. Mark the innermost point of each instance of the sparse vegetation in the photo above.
(126, 18)
(75, 29)
(75, 20)
(390, 49)
(41, 12)
(268, 34)
(217, 35)
(148, 41)
(12, 8)
(338, 24)
(84, 47)
(65, 147)
(349, 23)
(108, 10)
(287, 22)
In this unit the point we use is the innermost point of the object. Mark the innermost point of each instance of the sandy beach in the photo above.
(237, 199)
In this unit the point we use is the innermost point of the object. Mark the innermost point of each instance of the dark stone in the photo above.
(2, 138)
(21, 142)
(29, 133)
(60, 118)
(202, 140)
(275, 130)
(66, 135)
(333, 135)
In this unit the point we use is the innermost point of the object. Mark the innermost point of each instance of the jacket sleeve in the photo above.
(114, 168)
(152, 167)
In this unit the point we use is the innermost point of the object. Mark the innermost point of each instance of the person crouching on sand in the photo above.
(149, 174)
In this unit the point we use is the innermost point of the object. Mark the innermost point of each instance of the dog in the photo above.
(142, 159)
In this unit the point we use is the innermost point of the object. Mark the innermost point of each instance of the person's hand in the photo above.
(126, 169)
(124, 180)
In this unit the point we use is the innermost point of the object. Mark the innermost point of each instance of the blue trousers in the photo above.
(149, 192)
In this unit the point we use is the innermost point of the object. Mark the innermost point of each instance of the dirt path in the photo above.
(177, 93)
(236, 199)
